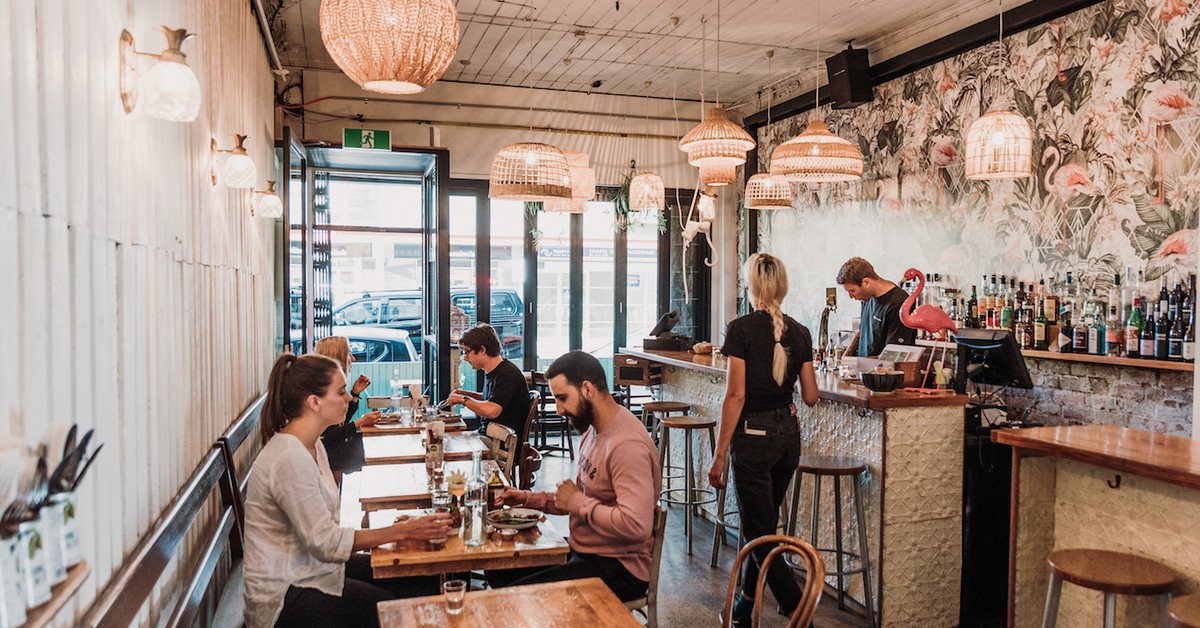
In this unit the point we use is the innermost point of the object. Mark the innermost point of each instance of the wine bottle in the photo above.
(1133, 330)
(1162, 330)
(1175, 337)
(1040, 341)
(1189, 342)
(1146, 343)
(1114, 341)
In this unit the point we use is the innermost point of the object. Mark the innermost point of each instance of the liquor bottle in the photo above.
(1133, 330)
(973, 309)
(1175, 336)
(1039, 330)
(1127, 294)
(1050, 304)
(1189, 300)
(1114, 334)
(474, 503)
(1026, 331)
(1079, 336)
(1162, 330)
(1069, 300)
(495, 488)
(1021, 295)
(1006, 312)
(1189, 342)
(1146, 343)
(1066, 336)
(1095, 336)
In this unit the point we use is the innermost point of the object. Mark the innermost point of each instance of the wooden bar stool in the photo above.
(837, 467)
(693, 497)
(1112, 573)
(653, 412)
(1185, 611)
(721, 522)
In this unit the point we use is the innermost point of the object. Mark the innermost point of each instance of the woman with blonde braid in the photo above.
(758, 420)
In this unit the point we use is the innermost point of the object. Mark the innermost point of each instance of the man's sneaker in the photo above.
(743, 612)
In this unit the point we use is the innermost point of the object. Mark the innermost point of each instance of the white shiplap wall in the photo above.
(135, 297)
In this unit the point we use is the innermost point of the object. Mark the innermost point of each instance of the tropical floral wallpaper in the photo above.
(1112, 93)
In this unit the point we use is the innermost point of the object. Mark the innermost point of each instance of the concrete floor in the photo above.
(691, 593)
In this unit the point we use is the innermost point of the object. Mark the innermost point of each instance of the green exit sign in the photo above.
(367, 138)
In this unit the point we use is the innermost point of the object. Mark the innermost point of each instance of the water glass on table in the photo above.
(455, 591)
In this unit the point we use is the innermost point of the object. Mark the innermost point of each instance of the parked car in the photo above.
(375, 344)
(401, 309)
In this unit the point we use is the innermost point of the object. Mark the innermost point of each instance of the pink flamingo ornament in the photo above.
(931, 318)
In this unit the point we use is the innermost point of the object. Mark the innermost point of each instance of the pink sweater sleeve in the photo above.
(543, 501)
(633, 477)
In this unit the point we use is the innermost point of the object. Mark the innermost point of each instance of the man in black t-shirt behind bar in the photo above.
(505, 397)
(882, 300)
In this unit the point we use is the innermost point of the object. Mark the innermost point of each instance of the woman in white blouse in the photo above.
(300, 565)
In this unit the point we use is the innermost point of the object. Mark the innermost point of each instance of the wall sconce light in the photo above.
(171, 91)
(239, 170)
(267, 202)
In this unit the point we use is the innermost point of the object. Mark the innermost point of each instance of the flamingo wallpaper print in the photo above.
(1112, 93)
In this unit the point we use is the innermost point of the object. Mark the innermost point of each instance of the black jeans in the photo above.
(578, 566)
(765, 451)
(304, 607)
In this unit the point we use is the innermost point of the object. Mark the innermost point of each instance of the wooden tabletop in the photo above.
(583, 603)
(829, 386)
(390, 428)
(1154, 455)
(405, 448)
(404, 485)
(535, 547)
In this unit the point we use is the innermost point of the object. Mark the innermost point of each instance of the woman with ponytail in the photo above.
(758, 420)
(300, 565)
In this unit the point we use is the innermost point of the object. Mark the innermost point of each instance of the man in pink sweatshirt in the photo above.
(612, 499)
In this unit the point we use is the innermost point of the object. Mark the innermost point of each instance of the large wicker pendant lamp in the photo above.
(764, 190)
(716, 144)
(583, 184)
(1000, 142)
(390, 46)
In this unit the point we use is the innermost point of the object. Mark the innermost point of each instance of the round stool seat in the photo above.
(666, 406)
(687, 422)
(1185, 611)
(1113, 572)
(831, 465)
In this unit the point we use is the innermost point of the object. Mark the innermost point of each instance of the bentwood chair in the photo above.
(502, 445)
(648, 605)
(531, 462)
(810, 592)
(549, 421)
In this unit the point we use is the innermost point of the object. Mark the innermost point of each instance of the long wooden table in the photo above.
(390, 428)
(584, 603)
(406, 448)
(536, 547)
(405, 485)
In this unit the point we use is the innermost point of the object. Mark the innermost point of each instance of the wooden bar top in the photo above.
(1172, 459)
(569, 603)
(829, 386)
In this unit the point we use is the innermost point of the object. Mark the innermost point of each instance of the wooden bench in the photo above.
(122, 599)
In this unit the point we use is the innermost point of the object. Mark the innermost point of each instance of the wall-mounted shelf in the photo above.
(60, 594)
(1160, 365)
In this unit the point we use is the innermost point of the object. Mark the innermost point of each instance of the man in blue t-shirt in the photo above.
(880, 324)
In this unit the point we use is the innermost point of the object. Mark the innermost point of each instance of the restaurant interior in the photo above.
(199, 187)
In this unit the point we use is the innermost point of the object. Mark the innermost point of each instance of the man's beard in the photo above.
(583, 419)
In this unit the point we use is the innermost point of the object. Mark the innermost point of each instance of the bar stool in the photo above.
(650, 417)
(721, 522)
(837, 466)
(1111, 573)
(1185, 611)
(693, 497)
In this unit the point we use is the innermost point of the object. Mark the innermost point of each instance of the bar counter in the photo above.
(1099, 487)
(913, 445)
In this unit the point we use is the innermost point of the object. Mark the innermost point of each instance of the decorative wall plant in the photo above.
(1113, 94)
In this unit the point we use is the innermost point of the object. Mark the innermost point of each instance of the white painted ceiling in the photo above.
(636, 51)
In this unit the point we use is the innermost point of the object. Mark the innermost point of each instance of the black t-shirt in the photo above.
(752, 338)
(506, 386)
(881, 326)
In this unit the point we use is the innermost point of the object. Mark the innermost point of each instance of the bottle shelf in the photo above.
(1161, 365)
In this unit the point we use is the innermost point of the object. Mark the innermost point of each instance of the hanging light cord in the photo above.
(718, 53)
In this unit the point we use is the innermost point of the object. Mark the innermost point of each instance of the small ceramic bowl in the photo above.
(508, 534)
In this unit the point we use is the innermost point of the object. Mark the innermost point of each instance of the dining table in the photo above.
(538, 546)
(391, 426)
(406, 448)
(584, 603)
(385, 486)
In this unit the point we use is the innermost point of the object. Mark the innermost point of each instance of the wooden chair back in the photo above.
(648, 605)
(531, 461)
(531, 417)
(502, 443)
(814, 582)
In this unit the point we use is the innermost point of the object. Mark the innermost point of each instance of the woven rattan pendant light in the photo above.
(530, 171)
(717, 142)
(583, 184)
(765, 190)
(647, 194)
(817, 155)
(1000, 142)
(717, 176)
(390, 46)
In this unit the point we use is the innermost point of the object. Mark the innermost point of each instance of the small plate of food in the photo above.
(514, 518)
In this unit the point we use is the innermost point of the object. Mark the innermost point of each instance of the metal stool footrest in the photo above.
(709, 496)
(853, 557)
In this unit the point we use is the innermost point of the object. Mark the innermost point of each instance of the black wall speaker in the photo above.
(850, 78)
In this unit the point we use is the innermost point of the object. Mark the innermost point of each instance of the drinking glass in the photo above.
(406, 416)
(454, 590)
